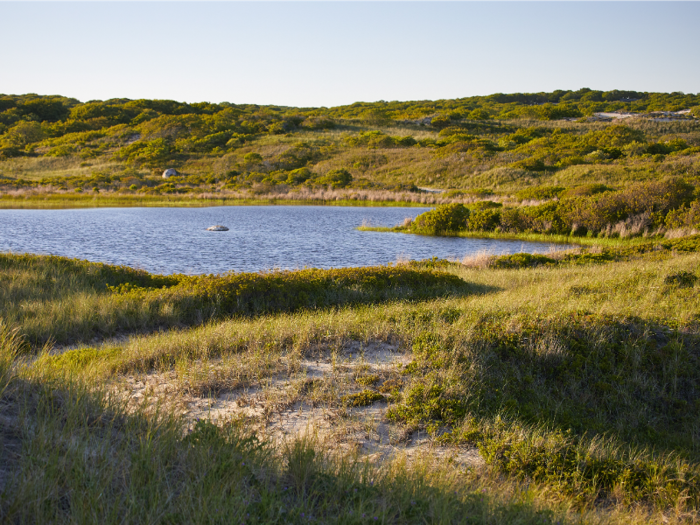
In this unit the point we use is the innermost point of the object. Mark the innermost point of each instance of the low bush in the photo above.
(687, 216)
(539, 193)
(335, 178)
(362, 399)
(447, 218)
(484, 220)
(545, 218)
(521, 260)
(682, 279)
(655, 198)
(197, 298)
(585, 190)
(484, 205)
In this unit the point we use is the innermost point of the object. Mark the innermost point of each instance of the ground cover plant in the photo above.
(559, 387)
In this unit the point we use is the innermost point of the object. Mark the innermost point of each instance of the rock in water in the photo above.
(217, 228)
(170, 172)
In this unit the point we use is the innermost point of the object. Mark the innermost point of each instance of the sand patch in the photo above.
(303, 396)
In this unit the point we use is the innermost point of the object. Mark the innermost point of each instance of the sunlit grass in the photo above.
(511, 368)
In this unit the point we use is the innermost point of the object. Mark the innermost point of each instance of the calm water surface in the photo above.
(175, 240)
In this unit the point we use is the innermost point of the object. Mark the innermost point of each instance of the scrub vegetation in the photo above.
(647, 209)
(558, 388)
(528, 388)
(514, 149)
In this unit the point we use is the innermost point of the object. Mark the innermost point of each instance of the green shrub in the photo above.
(484, 205)
(479, 114)
(253, 158)
(440, 121)
(530, 164)
(684, 217)
(655, 198)
(150, 153)
(362, 399)
(367, 380)
(378, 139)
(585, 190)
(545, 218)
(446, 218)
(521, 260)
(429, 403)
(298, 176)
(484, 220)
(539, 193)
(318, 123)
(337, 178)
(681, 279)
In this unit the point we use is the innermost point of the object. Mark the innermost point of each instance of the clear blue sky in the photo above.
(333, 53)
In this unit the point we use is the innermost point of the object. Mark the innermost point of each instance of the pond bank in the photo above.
(124, 201)
(527, 237)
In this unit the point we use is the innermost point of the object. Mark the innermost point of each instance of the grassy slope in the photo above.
(378, 166)
(582, 379)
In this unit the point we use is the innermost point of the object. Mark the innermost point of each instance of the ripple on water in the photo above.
(176, 240)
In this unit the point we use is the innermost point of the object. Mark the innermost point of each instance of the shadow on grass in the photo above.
(598, 403)
(68, 301)
(72, 455)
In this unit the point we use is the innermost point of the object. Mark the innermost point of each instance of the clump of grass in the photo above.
(362, 399)
(367, 380)
(681, 279)
(588, 469)
(481, 259)
(521, 260)
(390, 386)
(578, 375)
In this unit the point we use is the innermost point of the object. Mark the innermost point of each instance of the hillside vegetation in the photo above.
(528, 388)
(481, 147)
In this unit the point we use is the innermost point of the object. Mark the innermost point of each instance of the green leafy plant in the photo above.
(446, 218)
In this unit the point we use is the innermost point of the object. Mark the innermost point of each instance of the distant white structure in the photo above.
(217, 228)
(170, 172)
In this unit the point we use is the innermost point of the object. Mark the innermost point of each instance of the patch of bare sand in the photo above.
(306, 399)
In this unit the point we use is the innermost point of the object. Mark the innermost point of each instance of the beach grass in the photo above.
(575, 384)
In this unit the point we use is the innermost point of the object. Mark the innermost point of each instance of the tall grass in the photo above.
(74, 454)
(66, 301)
(577, 381)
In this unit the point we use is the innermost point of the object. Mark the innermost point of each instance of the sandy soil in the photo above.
(306, 399)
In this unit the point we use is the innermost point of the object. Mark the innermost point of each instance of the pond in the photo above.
(175, 240)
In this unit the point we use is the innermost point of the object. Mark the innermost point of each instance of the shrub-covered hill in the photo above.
(499, 143)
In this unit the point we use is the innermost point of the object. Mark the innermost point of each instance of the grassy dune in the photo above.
(518, 391)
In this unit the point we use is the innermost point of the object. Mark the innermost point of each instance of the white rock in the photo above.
(217, 228)
(170, 172)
